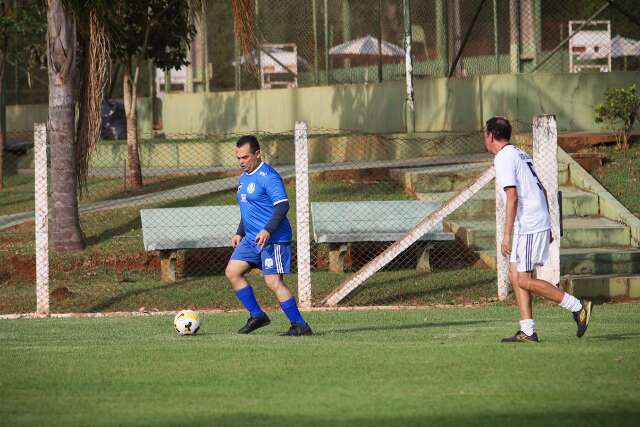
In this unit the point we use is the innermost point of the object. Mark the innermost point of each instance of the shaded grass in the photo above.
(621, 174)
(406, 368)
(18, 195)
(99, 288)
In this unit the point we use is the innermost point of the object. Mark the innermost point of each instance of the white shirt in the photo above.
(514, 168)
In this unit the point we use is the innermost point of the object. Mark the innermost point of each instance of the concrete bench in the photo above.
(342, 223)
(168, 230)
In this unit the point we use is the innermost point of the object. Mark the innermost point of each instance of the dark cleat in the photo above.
(522, 337)
(583, 317)
(298, 331)
(254, 323)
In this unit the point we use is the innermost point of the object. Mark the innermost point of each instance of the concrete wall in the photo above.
(20, 118)
(442, 105)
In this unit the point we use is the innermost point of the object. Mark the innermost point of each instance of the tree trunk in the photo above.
(61, 41)
(3, 127)
(130, 97)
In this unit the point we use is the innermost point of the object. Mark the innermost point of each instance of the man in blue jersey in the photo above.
(263, 239)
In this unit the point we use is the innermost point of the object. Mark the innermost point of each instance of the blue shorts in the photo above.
(274, 258)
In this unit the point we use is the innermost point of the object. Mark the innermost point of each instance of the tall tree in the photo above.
(22, 30)
(63, 70)
(141, 30)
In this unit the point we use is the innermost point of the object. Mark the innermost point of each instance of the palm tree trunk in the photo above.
(61, 40)
(130, 97)
(3, 128)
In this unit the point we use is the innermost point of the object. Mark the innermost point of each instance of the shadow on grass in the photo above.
(569, 417)
(617, 337)
(403, 327)
(118, 298)
(110, 233)
(410, 282)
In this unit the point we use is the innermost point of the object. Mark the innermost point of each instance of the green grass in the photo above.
(98, 288)
(621, 174)
(18, 195)
(378, 368)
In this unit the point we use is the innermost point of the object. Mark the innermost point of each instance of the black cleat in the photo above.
(522, 337)
(583, 317)
(298, 331)
(254, 323)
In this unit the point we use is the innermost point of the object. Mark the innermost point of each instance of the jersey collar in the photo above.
(256, 169)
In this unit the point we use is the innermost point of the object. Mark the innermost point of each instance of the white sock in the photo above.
(528, 326)
(571, 303)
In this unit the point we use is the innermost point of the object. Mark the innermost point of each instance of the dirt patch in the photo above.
(120, 263)
(61, 293)
(18, 267)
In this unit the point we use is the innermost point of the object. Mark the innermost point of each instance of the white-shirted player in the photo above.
(527, 231)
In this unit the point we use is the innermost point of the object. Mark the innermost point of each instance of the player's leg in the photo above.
(527, 331)
(537, 253)
(241, 260)
(276, 262)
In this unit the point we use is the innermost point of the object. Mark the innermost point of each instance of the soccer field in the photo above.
(371, 368)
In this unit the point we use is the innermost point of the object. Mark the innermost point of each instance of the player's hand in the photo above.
(262, 238)
(235, 240)
(506, 246)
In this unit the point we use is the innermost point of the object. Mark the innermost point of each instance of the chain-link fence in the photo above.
(166, 244)
(316, 42)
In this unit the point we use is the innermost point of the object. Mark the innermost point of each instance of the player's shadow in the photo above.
(616, 337)
(373, 328)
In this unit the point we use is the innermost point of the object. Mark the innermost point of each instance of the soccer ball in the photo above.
(187, 322)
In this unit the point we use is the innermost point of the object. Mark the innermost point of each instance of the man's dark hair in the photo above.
(251, 140)
(499, 127)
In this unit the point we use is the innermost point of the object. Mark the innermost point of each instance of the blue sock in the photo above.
(290, 308)
(248, 299)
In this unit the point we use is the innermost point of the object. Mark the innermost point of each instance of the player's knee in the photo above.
(513, 278)
(232, 274)
(524, 283)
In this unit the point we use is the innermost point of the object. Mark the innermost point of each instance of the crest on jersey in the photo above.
(268, 262)
(251, 187)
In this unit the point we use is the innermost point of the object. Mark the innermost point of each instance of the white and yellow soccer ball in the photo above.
(187, 322)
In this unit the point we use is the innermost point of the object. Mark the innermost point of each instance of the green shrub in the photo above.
(619, 112)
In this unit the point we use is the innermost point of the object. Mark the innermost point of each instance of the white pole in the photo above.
(502, 262)
(545, 160)
(42, 219)
(302, 214)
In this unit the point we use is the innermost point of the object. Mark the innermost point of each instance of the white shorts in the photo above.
(530, 250)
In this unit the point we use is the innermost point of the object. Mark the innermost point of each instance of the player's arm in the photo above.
(235, 240)
(510, 219)
(278, 195)
(279, 213)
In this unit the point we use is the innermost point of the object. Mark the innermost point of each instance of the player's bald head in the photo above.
(499, 127)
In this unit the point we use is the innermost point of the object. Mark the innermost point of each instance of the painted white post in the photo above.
(42, 219)
(545, 160)
(302, 214)
(502, 262)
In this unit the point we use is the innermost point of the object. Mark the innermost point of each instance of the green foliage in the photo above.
(619, 112)
(22, 33)
(169, 24)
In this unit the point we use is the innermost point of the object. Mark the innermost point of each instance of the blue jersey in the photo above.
(258, 193)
